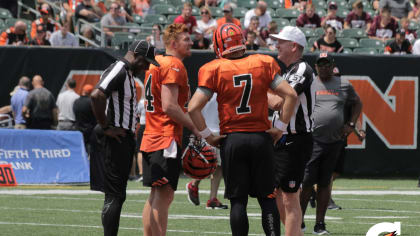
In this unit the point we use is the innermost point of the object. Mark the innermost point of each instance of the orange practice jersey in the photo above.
(160, 128)
(241, 86)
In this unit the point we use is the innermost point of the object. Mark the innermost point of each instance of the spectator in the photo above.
(383, 26)
(260, 34)
(272, 29)
(331, 18)
(250, 41)
(260, 11)
(86, 11)
(156, 38)
(63, 38)
(328, 42)
(125, 11)
(45, 22)
(400, 45)
(309, 19)
(17, 101)
(15, 35)
(410, 34)
(39, 109)
(40, 37)
(207, 25)
(200, 42)
(210, 3)
(11, 5)
(186, 18)
(85, 120)
(399, 8)
(414, 14)
(228, 16)
(358, 18)
(199, 3)
(140, 7)
(416, 47)
(113, 18)
(296, 4)
(65, 101)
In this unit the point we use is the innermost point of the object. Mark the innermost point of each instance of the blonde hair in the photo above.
(207, 9)
(187, 4)
(172, 31)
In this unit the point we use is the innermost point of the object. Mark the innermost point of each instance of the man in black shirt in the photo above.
(88, 12)
(85, 119)
(400, 45)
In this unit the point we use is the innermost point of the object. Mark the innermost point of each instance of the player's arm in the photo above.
(171, 107)
(282, 88)
(274, 102)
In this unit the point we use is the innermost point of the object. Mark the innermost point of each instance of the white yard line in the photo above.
(381, 217)
(376, 200)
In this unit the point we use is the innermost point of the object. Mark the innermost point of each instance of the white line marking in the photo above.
(380, 210)
(381, 217)
(376, 200)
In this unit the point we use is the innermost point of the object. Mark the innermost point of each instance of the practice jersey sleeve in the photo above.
(172, 73)
(112, 78)
(206, 78)
(301, 77)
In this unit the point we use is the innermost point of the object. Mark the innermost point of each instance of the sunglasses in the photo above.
(204, 13)
(332, 8)
(226, 11)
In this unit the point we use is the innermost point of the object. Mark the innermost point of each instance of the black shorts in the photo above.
(118, 161)
(247, 162)
(155, 167)
(322, 163)
(290, 158)
(140, 137)
(339, 167)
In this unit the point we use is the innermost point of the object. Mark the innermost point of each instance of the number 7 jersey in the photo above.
(241, 86)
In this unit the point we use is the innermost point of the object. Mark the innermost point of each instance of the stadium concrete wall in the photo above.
(387, 85)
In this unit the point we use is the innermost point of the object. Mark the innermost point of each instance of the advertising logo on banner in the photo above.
(44, 156)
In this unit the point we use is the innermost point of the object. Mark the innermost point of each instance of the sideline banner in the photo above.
(44, 156)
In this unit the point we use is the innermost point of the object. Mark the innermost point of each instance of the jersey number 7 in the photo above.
(239, 81)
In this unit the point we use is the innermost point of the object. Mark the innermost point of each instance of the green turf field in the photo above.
(74, 212)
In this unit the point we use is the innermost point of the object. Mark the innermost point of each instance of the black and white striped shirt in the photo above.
(119, 86)
(300, 76)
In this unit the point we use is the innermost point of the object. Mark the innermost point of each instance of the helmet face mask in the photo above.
(199, 159)
(227, 39)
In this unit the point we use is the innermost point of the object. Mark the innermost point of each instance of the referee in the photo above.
(114, 104)
(294, 149)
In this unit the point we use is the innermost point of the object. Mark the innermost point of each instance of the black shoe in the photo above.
(319, 229)
(192, 195)
(333, 206)
(303, 226)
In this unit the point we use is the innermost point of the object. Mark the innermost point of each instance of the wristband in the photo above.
(280, 125)
(205, 133)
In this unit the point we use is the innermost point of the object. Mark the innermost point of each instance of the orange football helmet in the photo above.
(199, 159)
(228, 38)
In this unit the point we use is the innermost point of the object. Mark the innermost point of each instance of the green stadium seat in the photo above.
(247, 3)
(293, 22)
(11, 22)
(287, 13)
(138, 19)
(164, 9)
(371, 12)
(311, 41)
(274, 4)
(122, 39)
(195, 10)
(239, 12)
(418, 33)
(273, 12)
(5, 14)
(414, 25)
(155, 18)
(366, 51)
(281, 22)
(159, 2)
(340, 3)
(339, 34)
(142, 36)
(347, 51)
(366, 5)
(320, 4)
(319, 32)
(2, 24)
(171, 18)
(177, 2)
(135, 28)
(216, 11)
(147, 25)
(349, 42)
(321, 12)
(342, 12)
(354, 33)
(371, 43)
(309, 32)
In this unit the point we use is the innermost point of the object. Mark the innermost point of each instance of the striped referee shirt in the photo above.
(119, 87)
(300, 76)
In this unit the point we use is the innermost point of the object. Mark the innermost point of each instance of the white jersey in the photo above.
(211, 115)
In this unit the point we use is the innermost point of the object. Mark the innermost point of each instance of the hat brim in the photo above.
(324, 58)
(152, 61)
(279, 36)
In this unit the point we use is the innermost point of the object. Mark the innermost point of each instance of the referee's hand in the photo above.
(116, 133)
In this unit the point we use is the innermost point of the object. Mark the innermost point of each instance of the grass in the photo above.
(79, 214)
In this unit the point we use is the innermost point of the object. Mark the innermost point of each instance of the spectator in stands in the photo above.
(270, 42)
(414, 14)
(262, 13)
(410, 34)
(140, 7)
(17, 101)
(156, 38)
(250, 44)
(40, 37)
(399, 8)
(206, 24)
(85, 120)
(11, 5)
(358, 18)
(15, 35)
(200, 42)
(400, 45)
(186, 18)
(331, 18)
(228, 16)
(309, 19)
(63, 38)
(65, 101)
(260, 34)
(86, 11)
(416, 50)
(296, 4)
(125, 11)
(328, 42)
(383, 26)
(45, 21)
(114, 18)
(39, 109)
(210, 3)
(199, 3)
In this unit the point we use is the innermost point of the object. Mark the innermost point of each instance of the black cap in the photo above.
(400, 31)
(324, 56)
(145, 49)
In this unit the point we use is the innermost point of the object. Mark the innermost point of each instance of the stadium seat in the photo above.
(11, 22)
(281, 22)
(239, 12)
(216, 12)
(274, 4)
(138, 19)
(365, 51)
(5, 14)
(247, 3)
(195, 10)
(413, 25)
(366, 5)
(293, 22)
(342, 12)
(319, 32)
(354, 33)
(349, 42)
(309, 32)
(154, 2)
(272, 11)
(418, 33)
(371, 43)
(122, 39)
(2, 25)
(319, 4)
(321, 12)
(135, 28)
(371, 12)
(178, 2)
(171, 18)
(155, 18)
(340, 3)
(141, 36)
(347, 51)
(339, 34)
(287, 13)
(311, 42)
(164, 9)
